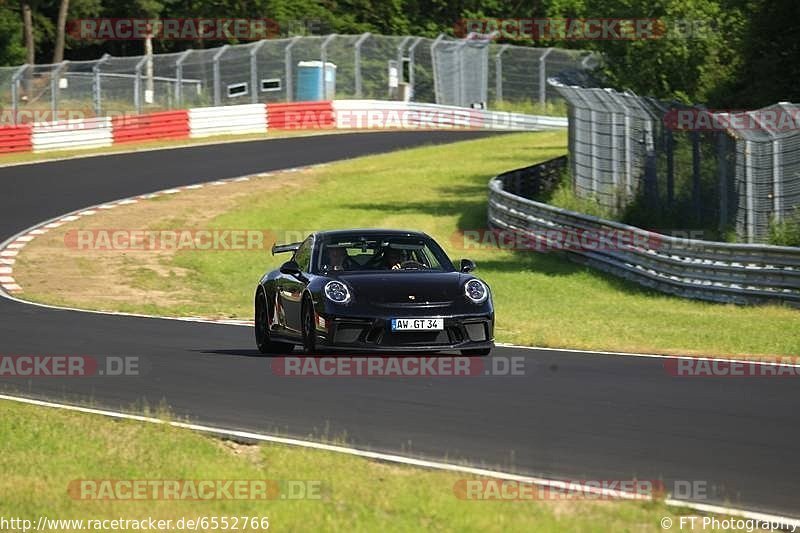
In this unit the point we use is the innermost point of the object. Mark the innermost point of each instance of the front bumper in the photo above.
(461, 332)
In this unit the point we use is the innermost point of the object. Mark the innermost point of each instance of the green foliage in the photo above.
(738, 53)
(12, 51)
(786, 232)
(686, 65)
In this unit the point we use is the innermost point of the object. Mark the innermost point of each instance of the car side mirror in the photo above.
(290, 267)
(467, 265)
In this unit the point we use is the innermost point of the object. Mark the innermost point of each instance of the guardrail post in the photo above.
(254, 89)
(179, 78)
(137, 85)
(359, 42)
(543, 76)
(97, 91)
(323, 56)
(498, 73)
(287, 65)
(217, 80)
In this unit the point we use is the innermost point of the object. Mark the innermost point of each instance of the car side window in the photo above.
(303, 255)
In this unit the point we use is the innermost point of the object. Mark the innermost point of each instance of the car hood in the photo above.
(405, 287)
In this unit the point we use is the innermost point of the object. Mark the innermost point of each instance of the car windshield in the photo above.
(368, 252)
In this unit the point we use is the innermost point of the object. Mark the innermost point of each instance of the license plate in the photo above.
(417, 324)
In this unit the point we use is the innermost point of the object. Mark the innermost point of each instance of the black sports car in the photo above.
(372, 290)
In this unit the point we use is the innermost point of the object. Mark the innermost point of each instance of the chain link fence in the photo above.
(767, 170)
(647, 161)
(442, 70)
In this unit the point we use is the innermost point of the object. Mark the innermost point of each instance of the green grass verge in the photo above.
(43, 450)
(541, 299)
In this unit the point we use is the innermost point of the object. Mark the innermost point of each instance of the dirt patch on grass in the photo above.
(55, 268)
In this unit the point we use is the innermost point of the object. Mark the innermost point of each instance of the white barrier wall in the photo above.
(72, 133)
(379, 114)
(206, 121)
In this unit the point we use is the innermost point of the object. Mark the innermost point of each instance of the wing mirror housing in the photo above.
(468, 265)
(291, 268)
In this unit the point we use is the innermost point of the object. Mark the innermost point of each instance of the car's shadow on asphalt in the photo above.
(256, 353)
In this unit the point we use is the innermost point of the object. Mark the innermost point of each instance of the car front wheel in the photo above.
(309, 333)
(265, 345)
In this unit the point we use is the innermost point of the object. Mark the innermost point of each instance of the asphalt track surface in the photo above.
(571, 416)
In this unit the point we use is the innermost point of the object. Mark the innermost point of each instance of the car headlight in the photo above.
(477, 292)
(336, 291)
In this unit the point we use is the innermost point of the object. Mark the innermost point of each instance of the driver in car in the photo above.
(393, 259)
(338, 258)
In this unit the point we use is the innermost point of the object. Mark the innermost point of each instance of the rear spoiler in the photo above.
(283, 248)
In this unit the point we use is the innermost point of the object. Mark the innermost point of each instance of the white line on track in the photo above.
(410, 461)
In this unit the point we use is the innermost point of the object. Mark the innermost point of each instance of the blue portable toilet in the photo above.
(309, 88)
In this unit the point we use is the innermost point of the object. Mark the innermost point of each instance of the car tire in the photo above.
(309, 333)
(477, 352)
(265, 345)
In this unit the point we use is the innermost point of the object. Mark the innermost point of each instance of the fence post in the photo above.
(287, 65)
(55, 75)
(436, 84)
(462, 96)
(323, 56)
(750, 200)
(359, 42)
(777, 181)
(97, 95)
(137, 85)
(254, 70)
(722, 172)
(411, 66)
(217, 80)
(179, 78)
(400, 49)
(593, 141)
(498, 73)
(15, 91)
(696, 200)
(543, 76)
(669, 141)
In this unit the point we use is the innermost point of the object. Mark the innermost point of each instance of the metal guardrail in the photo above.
(704, 270)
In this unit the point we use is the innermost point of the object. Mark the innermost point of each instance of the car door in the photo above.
(290, 289)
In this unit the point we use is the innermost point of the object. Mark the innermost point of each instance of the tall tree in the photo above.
(58, 53)
(27, 23)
